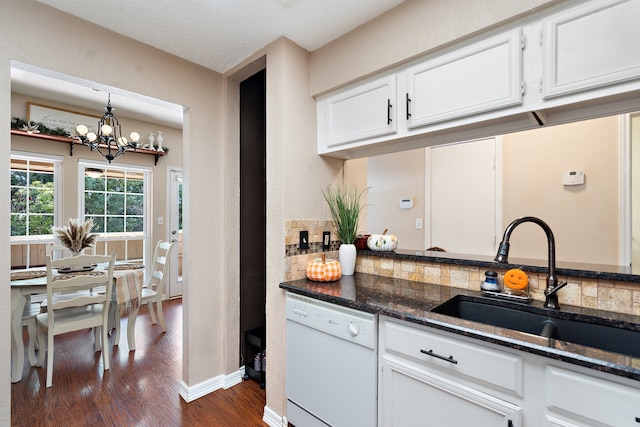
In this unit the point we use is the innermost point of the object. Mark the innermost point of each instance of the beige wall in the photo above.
(390, 178)
(584, 219)
(635, 184)
(35, 34)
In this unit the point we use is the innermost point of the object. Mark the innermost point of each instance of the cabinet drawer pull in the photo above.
(638, 419)
(436, 355)
(408, 112)
(389, 106)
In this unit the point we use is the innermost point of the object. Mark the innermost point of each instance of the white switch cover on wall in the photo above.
(160, 220)
(418, 223)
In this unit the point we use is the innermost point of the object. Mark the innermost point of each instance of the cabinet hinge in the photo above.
(540, 85)
(523, 88)
(541, 39)
(523, 42)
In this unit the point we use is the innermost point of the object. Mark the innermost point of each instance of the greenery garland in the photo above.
(19, 124)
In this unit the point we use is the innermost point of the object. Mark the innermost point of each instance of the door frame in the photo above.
(174, 281)
(497, 165)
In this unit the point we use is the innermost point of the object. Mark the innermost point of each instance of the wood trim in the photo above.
(72, 141)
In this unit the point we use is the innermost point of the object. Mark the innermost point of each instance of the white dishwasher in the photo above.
(331, 364)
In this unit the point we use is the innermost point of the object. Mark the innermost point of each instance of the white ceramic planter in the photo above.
(347, 257)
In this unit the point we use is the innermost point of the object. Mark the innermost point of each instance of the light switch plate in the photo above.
(304, 240)
(326, 240)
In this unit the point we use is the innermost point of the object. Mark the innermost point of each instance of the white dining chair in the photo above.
(80, 311)
(152, 291)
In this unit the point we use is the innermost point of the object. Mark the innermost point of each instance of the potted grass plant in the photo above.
(344, 204)
(76, 236)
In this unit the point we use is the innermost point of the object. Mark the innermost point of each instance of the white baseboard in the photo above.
(189, 394)
(272, 419)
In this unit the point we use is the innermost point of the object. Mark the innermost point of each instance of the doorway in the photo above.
(463, 194)
(253, 198)
(175, 230)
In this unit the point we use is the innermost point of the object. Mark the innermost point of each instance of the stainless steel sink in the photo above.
(591, 331)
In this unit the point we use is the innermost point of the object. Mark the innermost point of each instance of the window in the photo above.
(34, 205)
(116, 198)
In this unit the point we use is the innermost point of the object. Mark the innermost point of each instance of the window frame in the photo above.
(58, 195)
(147, 223)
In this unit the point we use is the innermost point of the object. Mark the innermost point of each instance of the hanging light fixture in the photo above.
(109, 141)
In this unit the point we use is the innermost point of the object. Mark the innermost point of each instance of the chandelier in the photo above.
(108, 141)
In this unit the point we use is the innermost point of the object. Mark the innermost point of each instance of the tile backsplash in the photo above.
(295, 258)
(621, 297)
(608, 295)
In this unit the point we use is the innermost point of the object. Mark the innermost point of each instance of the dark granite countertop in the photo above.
(413, 301)
(574, 269)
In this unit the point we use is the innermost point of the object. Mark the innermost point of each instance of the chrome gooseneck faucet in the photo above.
(553, 285)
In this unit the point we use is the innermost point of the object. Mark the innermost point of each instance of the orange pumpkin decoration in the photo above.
(323, 270)
(516, 279)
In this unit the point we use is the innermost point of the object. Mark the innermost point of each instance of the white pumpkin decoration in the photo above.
(382, 242)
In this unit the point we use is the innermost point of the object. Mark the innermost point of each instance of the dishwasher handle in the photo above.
(300, 312)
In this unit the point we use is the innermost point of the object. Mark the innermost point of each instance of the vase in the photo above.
(152, 139)
(347, 257)
(160, 140)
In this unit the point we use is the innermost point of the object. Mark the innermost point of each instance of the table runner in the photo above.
(26, 275)
(128, 288)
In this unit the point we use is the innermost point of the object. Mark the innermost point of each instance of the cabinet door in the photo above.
(481, 77)
(365, 111)
(593, 45)
(411, 397)
(576, 399)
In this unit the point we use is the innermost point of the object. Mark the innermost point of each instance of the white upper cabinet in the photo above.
(365, 111)
(476, 78)
(590, 46)
(574, 61)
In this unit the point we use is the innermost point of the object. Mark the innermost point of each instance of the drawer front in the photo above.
(590, 398)
(446, 352)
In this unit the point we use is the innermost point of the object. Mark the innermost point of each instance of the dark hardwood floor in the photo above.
(140, 388)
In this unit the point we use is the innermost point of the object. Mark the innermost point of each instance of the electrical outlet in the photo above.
(418, 223)
(304, 240)
(326, 240)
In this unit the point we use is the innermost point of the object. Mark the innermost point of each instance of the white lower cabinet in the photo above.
(418, 397)
(429, 377)
(576, 399)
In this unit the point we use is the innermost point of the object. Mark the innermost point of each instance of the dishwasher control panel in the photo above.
(342, 322)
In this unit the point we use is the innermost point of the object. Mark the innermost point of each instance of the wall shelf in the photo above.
(72, 142)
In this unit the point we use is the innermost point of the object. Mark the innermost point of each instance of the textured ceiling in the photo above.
(216, 34)
(219, 34)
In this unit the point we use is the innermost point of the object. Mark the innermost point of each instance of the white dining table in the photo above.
(127, 288)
